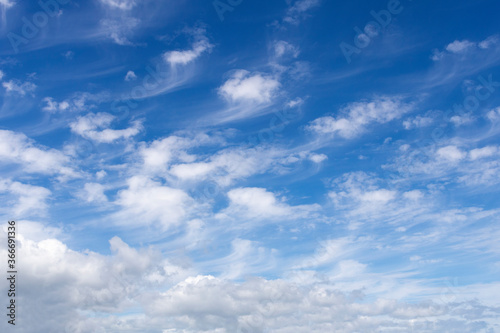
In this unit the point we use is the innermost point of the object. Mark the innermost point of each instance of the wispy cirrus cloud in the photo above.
(298, 11)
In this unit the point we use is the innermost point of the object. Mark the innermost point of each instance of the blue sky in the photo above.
(252, 166)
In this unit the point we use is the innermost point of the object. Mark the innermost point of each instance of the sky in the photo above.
(251, 166)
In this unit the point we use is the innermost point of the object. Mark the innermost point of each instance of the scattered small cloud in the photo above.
(95, 127)
(130, 76)
(244, 87)
(353, 120)
(199, 46)
(298, 11)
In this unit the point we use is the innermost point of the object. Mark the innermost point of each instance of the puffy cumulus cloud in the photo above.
(200, 46)
(17, 148)
(93, 192)
(94, 127)
(484, 152)
(354, 118)
(140, 290)
(246, 87)
(159, 155)
(299, 10)
(257, 203)
(53, 106)
(61, 286)
(450, 153)
(21, 88)
(318, 158)
(23, 200)
(146, 202)
(209, 304)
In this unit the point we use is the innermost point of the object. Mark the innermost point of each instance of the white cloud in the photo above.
(489, 42)
(7, 3)
(18, 87)
(160, 154)
(253, 203)
(418, 122)
(298, 11)
(378, 196)
(16, 148)
(215, 305)
(200, 45)
(174, 159)
(120, 4)
(244, 86)
(53, 106)
(282, 48)
(246, 258)
(483, 152)
(357, 116)
(139, 290)
(226, 166)
(94, 127)
(24, 200)
(462, 120)
(257, 202)
(101, 174)
(318, 158)
(119, 30)
(81, 101)
(327, 252)
(463, 46)
(146, 202)
(362, 198)
(460, 46)
(80, 282)
(478, 166)
(2, 74)
(69, 55)
(295, 103)
(413, 195)
(451, 153)
(494, 115)
(130, 76)
(93, 192)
